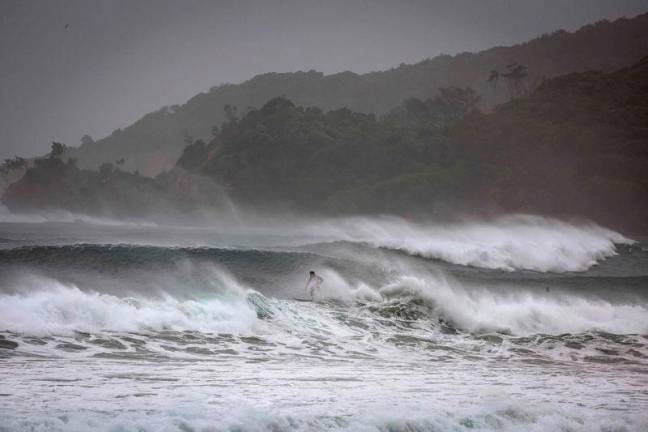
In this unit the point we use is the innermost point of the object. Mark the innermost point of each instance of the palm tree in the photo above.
(516, 75)
(494, 78)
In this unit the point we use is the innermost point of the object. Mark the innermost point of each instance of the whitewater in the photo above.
(519, 323)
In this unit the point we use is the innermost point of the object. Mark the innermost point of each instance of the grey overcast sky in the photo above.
(120, 59)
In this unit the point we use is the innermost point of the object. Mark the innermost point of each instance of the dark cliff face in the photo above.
(154, 143)
(578, 145)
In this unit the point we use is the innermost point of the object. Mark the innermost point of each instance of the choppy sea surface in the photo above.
(516, 324)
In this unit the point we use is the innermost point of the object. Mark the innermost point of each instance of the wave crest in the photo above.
(57, 308)
(516, 312)
(519, 242)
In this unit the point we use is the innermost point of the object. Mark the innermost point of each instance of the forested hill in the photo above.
(154, 143)
(578, 145)
(575, 146)
(287, 156)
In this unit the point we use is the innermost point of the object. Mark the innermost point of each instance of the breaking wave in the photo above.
(519, 242)
(510, 243)
(517, 312)
(192, 331)
(504, 417)
(41, 305)
(57, 308)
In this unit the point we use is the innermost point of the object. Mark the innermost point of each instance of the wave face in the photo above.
(519, 242)
(508, 243)
(42, 306)
(519, 313)
(195, 330)
(57, 309)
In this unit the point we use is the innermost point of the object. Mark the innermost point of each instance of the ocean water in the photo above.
(520, 323)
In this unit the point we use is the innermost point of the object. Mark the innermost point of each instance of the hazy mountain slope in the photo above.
(154, 142)
(576, 146)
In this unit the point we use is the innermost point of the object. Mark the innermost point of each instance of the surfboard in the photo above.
(302, 299)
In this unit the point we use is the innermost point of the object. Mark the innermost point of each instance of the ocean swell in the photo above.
(519, 242)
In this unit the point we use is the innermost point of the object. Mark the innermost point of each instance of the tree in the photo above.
(106, 169)
(453, 103)
(416, 107)
(58, 150)
(493, 79)
(86, 140)
(194, 156)
(13, 164)
(231, 113)
(516, 75)
(187, 138)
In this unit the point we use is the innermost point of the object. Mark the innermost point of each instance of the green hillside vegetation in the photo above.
(284, 155)
(153, 143)
(55, 184)
(11, 170)
(577, 145)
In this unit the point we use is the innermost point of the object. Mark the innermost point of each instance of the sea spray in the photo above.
(514, 242)
(519, 242)
(518, 312)
(201, 331)
(59, 308)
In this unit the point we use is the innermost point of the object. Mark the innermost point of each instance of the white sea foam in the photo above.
(514, 242)
(332, 366)
(519, 242)
(312, 367)
(57, 308)
(519, 312)
(511, 417)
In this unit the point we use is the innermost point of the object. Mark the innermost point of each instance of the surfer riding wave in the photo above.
(313, 285)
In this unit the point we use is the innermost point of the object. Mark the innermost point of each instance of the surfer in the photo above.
(313, 284)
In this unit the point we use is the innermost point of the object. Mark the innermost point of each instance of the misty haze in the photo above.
(304, 215)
